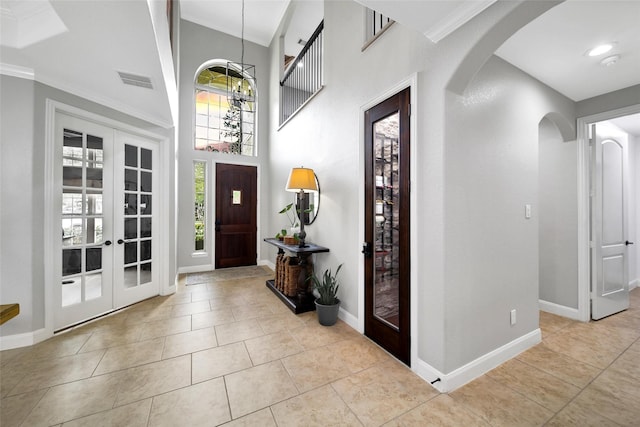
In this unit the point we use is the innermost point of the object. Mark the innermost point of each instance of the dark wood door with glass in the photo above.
(236, 223)
(387, 244)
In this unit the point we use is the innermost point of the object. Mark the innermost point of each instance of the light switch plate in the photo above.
(527, 211)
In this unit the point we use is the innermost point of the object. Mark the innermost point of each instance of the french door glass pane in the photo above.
(137, 209)
(386, 232)
(82, 220)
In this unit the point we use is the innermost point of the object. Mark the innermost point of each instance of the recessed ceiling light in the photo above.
(601, 49)
(610, 60)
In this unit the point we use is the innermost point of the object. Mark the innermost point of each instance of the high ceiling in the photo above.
(80, 45)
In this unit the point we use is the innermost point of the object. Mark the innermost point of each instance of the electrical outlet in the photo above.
(513, 317)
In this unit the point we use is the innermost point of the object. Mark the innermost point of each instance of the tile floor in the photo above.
(227, 351)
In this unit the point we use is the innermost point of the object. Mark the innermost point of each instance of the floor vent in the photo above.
(134, 80)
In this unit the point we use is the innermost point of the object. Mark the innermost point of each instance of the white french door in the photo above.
(106, 180)
(609, 282)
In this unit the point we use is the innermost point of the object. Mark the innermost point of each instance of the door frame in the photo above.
(584, 213)
(410, 82)
(50, 231)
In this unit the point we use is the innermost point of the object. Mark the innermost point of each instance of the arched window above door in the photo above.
(224, 110)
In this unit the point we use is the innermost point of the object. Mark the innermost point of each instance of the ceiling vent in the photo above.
(135, 80)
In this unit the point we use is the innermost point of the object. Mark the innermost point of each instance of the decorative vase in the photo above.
(328, 314)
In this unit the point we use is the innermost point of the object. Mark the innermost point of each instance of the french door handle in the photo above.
(120, 241)
(107, 243)
(628, 243)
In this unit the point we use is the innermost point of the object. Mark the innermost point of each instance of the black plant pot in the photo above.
(328, 314)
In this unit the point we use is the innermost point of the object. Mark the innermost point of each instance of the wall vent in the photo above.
(135, 80)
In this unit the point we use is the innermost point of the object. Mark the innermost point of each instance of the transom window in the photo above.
(225, 110)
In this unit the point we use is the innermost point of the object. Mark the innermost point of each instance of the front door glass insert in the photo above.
(386, 231)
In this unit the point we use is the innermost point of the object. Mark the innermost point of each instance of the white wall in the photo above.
(635, 146)
(558, 214)
(199, 45)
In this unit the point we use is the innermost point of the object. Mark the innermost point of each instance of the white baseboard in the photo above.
(23, 340)
(267, 263)
(560, 310)
(196, 268)
(349, 319)
(478, 367)
(634, 284)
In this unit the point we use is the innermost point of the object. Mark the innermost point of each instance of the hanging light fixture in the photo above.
(240, 77)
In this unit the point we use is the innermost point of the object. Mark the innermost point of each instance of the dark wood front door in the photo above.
(236, 200)
(387, 262)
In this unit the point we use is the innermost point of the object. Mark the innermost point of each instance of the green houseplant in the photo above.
(327, 304)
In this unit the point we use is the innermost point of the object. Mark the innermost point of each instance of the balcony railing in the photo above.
(303, 78)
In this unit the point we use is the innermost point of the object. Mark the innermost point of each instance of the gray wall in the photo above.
(609, 101)
(558, 213)
(199, 45)
(18, 226)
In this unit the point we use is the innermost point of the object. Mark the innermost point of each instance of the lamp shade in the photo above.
(302, 179)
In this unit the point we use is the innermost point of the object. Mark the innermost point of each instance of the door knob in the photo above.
(628, 243)
(107, 243)
(120, 241)
(217, 224)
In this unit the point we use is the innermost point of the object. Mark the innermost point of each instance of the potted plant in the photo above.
(327, 304)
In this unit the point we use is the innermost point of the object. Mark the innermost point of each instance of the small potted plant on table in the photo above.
(327, 304)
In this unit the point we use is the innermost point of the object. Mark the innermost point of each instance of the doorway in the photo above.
(236, 217)
(387, 224)
(106, 181)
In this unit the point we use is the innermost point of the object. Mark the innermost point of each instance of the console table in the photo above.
(303, 301)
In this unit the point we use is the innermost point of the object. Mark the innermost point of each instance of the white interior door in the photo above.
(609, 282)
(83, 173)
(136, 184)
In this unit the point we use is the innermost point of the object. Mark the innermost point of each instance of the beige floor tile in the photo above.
(190, 308)
(627, 364)
(7, 356)
(9, 378)
(44, 373)
(314, 368)
(575, 416)
(258, 387)
(14, 409)
(201, 404)
(189, 342)
(358, 353)
(74, 400)
(592, 353)
(619, 384)
(238, 331)
(148, 314)
(219, 361)
(559, 365)
(542, 388)
(132, 415)
(63, 344)
(321, 407)
(155, 378)
(314, 335)
(272, 347)
(609, 405)
(612, 336)
(111, 337)
(280, 322)
(130, 355)
(262, 418)
(440, 411)
(381, 393)
(164, 327)
(499, 405)
(251, 311)
(212, 318)
(552, 323)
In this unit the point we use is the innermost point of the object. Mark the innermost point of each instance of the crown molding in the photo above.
(17, 71)
(456, 19)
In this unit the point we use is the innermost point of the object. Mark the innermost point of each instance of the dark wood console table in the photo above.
(303, 301)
